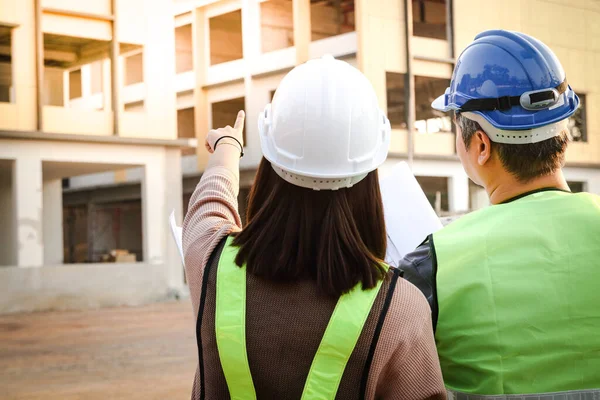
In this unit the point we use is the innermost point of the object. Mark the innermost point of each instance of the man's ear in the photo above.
(484, 147)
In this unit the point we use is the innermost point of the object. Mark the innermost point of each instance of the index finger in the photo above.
(239, 122)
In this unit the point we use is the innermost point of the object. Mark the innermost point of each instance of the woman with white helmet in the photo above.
(299, 304)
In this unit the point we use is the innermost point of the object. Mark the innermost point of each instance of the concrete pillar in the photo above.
(458, 193)
(302, 30)
(159, 61)
(23, 64)
(52, 222)
(174, 194)
(27, 198)
(201, 49)
(154, 217)
(8, 243)
(255, 100)
(106, 85)
(374, 50)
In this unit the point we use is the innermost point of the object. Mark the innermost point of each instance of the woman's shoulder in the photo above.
(408, 309)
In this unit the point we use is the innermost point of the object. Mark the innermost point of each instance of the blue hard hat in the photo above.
(512, 80)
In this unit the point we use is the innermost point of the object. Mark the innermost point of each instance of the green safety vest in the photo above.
(337, 345)
(518, 291)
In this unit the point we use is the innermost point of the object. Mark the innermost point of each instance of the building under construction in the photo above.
(101, 100)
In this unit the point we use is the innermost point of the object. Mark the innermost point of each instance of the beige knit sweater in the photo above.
(405, 363)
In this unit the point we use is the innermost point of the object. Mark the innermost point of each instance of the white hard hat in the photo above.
(324, 128)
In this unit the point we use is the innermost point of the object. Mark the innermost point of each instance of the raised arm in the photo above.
(213, 209)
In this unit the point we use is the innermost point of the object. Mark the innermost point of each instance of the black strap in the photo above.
(434, 268)
(216, 253)
(386, 305)
(231, 137)
(501, 103)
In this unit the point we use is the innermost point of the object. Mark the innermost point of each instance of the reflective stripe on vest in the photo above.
(336, 347)
(517, 292)
(593, 394)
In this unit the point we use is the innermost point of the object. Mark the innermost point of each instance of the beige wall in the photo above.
(77, 122)
(132, 19)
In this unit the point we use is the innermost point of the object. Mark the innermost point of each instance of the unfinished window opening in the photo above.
(396, 99)
(8, 243)
(436, 190)
(136, 106)
(578, 121)
(577, 186)
(331, 18)
(103, 225)
(6, 70)
(226, 37)
(429, 18)
(225, 112)
(184, 58)
(75, 84)
(134, 69)
(428, 120)
(276, 25)
(186, 127)
(64, 70)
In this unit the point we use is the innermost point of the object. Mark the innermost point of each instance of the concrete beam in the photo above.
(47, 136)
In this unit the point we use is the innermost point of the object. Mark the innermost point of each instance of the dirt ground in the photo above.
(120, 353)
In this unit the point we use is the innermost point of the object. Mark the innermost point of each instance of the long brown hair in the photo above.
(335, 237)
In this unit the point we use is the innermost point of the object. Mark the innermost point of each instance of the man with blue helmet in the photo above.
(513, 287)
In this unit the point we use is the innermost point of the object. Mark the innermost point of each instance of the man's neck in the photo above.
(501, 191)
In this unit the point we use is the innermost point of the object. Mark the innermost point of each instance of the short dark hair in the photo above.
(525, 161)
(334, 237)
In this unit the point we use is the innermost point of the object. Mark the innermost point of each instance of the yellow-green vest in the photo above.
(334, 351)
(518, 292)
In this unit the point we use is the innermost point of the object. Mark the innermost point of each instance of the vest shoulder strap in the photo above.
(340, 338)
(230, 325)
(336, 347)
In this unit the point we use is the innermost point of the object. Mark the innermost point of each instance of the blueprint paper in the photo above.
(409, 218)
